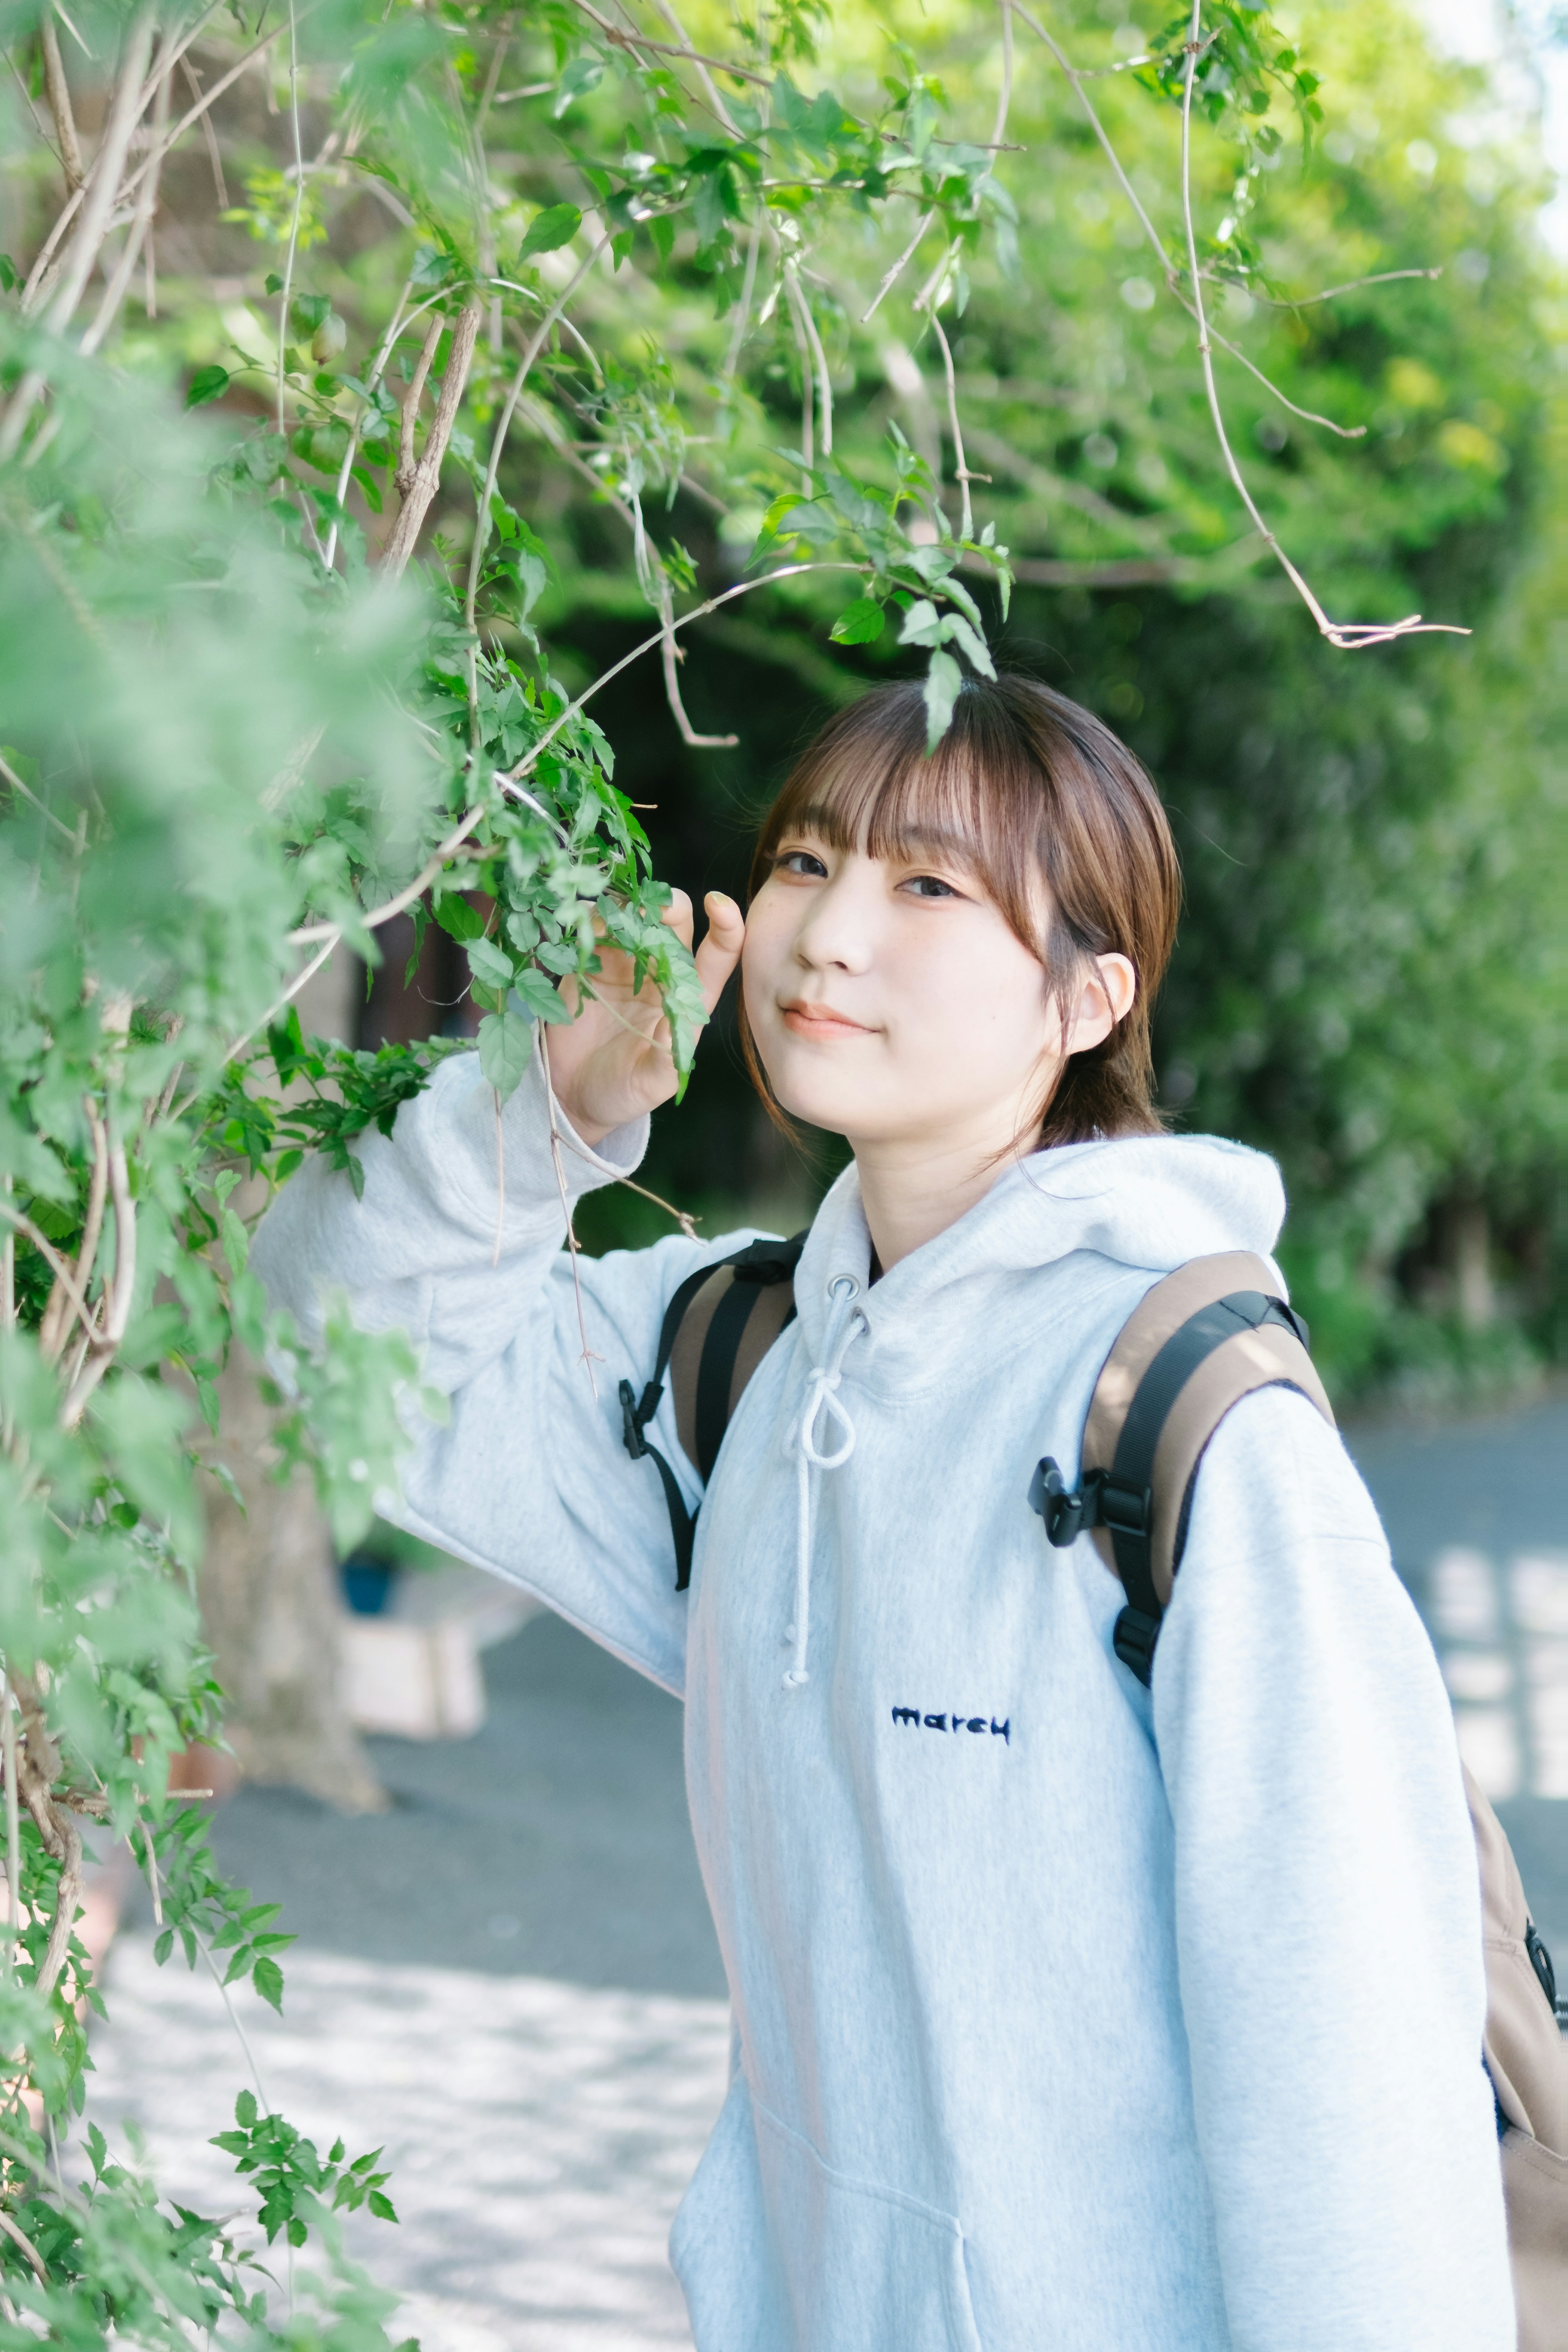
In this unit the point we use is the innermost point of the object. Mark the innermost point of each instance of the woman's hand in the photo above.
(614, 1062)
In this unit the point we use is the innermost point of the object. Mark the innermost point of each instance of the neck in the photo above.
(914, 1190)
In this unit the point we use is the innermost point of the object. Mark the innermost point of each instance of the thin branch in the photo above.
(10, 776)
(1308, 415)
(807, 441)
(743, 309)
(498, 439)
(51, 1258)
(285, 295)
(136, 235)
(26, 2244)
(233, 2018)
(290, 993)
(97, 199)
(819, 357)
(220, 185)
(409, 418)
(1348, 636)
(56, 90)
(701, 63)
(664, 48)
(1005, 100)
(13, 1827)
(1352, 286)
(670, 654)
(960, 464)
(53, 1328)
(442, 855)
(404, 533)
(378, 369)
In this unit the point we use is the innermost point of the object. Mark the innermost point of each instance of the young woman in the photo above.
(1135, 2021)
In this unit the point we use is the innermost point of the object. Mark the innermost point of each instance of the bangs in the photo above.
(977, 801)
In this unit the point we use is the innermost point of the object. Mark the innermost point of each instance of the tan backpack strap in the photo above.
(1524, 2049)
(1199, 1341)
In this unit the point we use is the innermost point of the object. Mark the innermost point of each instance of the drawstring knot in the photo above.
(822, 1400)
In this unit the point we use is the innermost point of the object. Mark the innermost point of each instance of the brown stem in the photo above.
(26, 2244)
(403, 476)
(427, 475)
(56, 90)
(52, 1331)
(68, 1896)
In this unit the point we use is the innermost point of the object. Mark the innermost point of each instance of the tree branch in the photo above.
(56, 90)
(426, 479)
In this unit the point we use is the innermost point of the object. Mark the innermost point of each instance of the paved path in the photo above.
(510, 1979)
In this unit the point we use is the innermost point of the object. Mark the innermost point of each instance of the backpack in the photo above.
(1198, 1342)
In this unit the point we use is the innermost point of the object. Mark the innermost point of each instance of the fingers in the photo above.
(720, 950)
(677, 915)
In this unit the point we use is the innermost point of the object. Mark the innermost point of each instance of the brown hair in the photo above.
(1036, 790)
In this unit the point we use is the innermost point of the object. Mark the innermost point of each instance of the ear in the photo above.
(1105, 997)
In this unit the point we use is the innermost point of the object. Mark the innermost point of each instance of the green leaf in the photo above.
(207, 383)
(861, 623)
(556, 226)
(163, 1946)
(268, 1979)
(506, 1048)
(382, 2206)
(491, 965)
(457, 917)
(539, 996)
(245, 2110)
(943, 684)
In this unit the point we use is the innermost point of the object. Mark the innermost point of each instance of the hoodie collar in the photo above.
(1145, 1202)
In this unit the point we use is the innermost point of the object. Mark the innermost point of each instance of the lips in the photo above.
(822, 1020)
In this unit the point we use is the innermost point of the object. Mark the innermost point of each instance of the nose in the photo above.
(836, 935)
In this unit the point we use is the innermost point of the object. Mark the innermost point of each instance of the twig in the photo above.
(426, 479)
(824, 388)
(287, 294)
(1005, 99)
(961, 465)
(13, 1826)
(98, 197)
(441, 856)
(220, 185)
(56, 90)
(743, 309)
(26, 2244)
(9, 773)
(669, 656)
(1308, 415)
(807, 442)
(701, 63)
(52, 1258)
(399, 322)
(503, 424)
(664, 48)
(233, 2020)
(138, 231)
(290, 993)
(52, 1329)
(1352, 286)
(1348, 636)
(408, 416)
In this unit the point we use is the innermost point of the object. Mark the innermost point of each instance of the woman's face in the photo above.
(891, 1004)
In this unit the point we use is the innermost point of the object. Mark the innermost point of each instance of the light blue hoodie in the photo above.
(1069, 2018)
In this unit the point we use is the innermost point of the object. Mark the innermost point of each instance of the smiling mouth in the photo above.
(821, 1021)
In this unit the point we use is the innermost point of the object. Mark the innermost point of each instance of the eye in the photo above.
(802, 861)
(928, 886)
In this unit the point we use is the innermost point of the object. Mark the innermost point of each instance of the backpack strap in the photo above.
(1209, 1333)
(717, 1328)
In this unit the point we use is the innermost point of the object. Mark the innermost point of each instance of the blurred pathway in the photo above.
(511, 1980)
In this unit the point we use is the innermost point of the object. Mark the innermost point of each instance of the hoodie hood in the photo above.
(1151, 1202)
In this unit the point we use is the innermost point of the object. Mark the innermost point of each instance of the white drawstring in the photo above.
(822, 1394)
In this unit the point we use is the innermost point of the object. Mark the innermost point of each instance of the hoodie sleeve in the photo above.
(529, 1478)
(1328, 1914)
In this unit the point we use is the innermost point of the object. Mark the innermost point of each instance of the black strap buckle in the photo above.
(1133, 1638)
(1099, 1502)
(635, 1415)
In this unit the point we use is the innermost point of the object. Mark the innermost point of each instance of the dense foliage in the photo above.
(768, 337)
